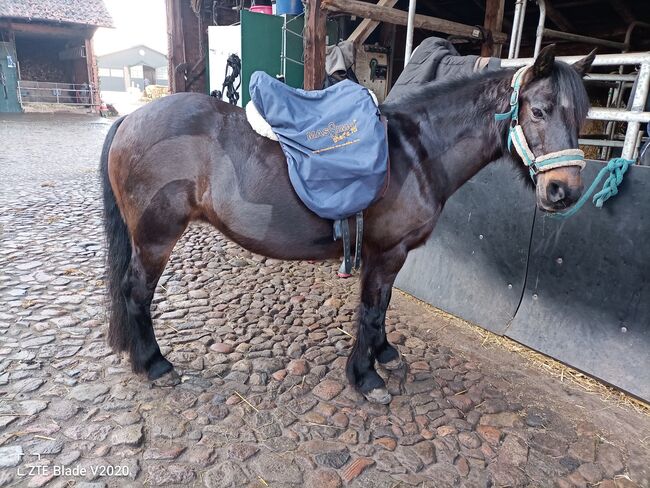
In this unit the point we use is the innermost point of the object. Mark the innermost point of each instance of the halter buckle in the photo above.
(514, 98)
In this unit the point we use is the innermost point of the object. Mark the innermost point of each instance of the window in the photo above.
(104, 72)
(117, 73)
(136, 72)
(161, 73)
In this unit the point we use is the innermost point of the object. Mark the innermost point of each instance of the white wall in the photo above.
(223, 40)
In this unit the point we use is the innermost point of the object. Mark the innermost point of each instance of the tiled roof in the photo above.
(87, 12)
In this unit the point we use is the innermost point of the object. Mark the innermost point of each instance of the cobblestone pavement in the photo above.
(260, 346)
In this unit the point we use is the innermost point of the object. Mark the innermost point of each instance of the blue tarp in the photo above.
(334, 141)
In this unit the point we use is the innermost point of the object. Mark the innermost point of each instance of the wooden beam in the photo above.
(623, 10)
(399, 17)
(53, 30)
(314, 45)
(493, 23)
(558, 18)
(367, 26)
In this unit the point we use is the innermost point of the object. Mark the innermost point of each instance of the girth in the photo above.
(342, 230)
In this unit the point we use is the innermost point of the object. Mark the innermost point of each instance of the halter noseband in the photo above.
(516, 137)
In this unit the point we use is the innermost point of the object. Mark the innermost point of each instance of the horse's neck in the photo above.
(457, 130)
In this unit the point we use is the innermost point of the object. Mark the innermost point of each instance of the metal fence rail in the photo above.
(30, 92)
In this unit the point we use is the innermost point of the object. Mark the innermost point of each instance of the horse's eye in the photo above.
(537, 113)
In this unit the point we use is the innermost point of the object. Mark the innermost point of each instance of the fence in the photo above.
(30, 92)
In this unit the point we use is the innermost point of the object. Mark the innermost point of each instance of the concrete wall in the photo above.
(110, 83)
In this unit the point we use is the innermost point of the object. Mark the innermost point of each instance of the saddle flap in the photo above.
(334, 141)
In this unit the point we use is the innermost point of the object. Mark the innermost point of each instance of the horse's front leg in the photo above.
(377, 277)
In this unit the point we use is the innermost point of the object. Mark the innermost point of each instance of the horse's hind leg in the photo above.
(378, 276)
(160, 227)
(138, 288)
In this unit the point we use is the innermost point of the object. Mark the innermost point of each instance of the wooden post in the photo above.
(314, 45)
(187, 42)
(91, 65)
(493, 23)
(176, 46)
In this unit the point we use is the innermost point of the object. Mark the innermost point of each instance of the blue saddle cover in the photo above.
(334, 141)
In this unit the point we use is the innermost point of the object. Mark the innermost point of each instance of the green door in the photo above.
(261, 47)
(8, 79)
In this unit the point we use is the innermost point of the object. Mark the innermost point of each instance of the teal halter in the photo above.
(614, 170)
(516, 138)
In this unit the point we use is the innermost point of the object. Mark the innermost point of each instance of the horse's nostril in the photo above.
(556, 191)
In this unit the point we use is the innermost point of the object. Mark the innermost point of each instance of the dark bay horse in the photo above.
(190, 157)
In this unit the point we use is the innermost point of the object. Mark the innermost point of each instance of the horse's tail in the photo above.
(118, 253)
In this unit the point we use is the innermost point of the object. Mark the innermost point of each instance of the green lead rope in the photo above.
(616, 168)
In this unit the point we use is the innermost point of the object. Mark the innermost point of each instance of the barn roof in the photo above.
(133, 56)
(86, 12)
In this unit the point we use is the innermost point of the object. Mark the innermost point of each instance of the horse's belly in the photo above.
(257, 208)
(264, 229)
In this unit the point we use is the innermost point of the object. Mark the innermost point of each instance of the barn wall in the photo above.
(111, 83)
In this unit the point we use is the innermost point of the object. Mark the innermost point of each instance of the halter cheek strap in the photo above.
(516, 138)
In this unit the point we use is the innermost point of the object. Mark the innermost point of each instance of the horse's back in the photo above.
(177, 115)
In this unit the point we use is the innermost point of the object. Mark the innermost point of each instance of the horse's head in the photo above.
(553, 104)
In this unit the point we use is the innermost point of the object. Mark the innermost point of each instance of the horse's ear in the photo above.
(584, 65)
(544, 62)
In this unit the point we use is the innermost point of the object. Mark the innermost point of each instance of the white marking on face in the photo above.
(565, 102)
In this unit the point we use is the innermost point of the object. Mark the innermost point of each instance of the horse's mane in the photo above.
(566, 83)
(423, 93)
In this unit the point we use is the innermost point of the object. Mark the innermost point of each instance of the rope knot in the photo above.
(616, 168)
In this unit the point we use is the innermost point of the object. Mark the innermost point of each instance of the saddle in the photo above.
(335, 144)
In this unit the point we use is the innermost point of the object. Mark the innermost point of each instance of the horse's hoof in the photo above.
(167, 380)
(159, 367)
(393, 364)
(378, 395)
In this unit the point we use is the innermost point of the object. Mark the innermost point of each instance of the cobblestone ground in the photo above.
(260, 346)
